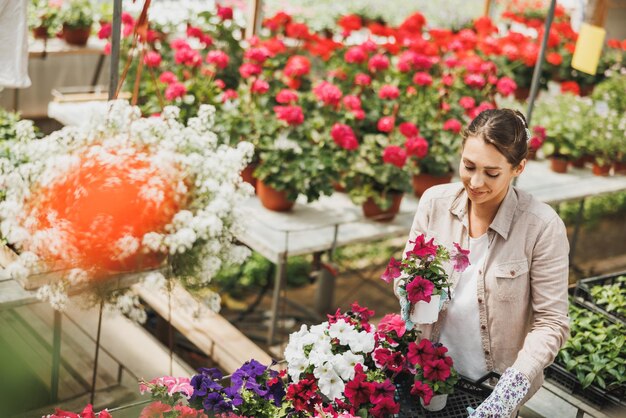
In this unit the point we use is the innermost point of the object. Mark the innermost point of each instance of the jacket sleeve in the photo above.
(419, 226)
(549, 272)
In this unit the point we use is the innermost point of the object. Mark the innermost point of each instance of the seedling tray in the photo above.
(583, 294)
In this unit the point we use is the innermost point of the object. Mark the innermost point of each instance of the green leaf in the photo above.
(588, 380)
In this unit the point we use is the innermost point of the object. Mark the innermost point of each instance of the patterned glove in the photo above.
(506, 396)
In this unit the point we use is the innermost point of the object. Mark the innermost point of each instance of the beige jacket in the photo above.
(522, 287)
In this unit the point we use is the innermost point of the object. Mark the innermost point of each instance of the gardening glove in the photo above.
(506, 396)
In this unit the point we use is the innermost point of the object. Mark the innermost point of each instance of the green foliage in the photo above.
(611, 297)
(77, 14)
(595, 208)
(8, 122)
(41, 13)
(612, 91)
(596, 350)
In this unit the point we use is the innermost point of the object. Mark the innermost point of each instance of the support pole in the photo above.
(255, 16)
(56, 357)
(116, 31)
(95, 361)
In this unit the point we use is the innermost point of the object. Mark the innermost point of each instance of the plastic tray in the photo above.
(583, 294)
(467, 393)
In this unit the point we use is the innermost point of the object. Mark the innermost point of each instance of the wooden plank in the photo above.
(210, 332)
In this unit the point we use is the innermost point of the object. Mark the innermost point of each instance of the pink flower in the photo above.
(168, 77)
(421, 353)
(436, 370)
(540, 131)
(362, 79)
(392, 271)
(259, 86)
(388, 92)
(378, 62)
(382, 390)
(385, 407)
(381, 356)
(188, 57)
(422, 390)
(220, 83)
(107, 48)
(419, 289)
(422, 79)
(152, 59)
(247, 70)
(475, 81)
(535, 143)
(460, 258)
(175, 90)
(229, 95)
(386, 123)
(422, 248)
(259, 55)
(392, 322)
(416, 146)
(328, 93)
(355, 54)
(452, 125)
(467, 102)
(344, 136)
(188, 412)
(286, 96)
(408, 129)
(480, 108)
(506, 86)
(297, 66)
(352, 102)
(225, 13)
(218, 58)
(155, 410)
(177, 44)
(105, 31)
(291, 114)
(395, 155)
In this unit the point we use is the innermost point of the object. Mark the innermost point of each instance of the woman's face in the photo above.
(485, 173)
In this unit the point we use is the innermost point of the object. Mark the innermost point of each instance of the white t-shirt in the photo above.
(460, 331)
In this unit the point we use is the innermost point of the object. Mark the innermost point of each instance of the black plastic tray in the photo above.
(466, 393)
(583, 294)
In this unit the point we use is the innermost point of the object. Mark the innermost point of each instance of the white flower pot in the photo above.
(426, 312)
(437, 403)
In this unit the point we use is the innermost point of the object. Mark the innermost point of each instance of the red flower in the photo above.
(155, 410)
(570, 87)
(422, 79)
(220, 83)
(452, 125)
(392, 322)
(228, 95)
(189, 57)
(259, 55)
(105, 31)
(386, 124)
(485, 26)
(188, 412)
(350, 23)
(382, 390)
(152, 59)
(413, 24)
(344, 136)
(297, 66)
(611, 43)
(408, 129)
(352, 102)
(247, 70)
(359, 114)
(436, 370)
(475, 81)
(388, 92)
(406, 61)
(177, 44)
(286, 96)
(460, 258)
(416, 146)
(218, 58)
(535, 143)
(395, 155)
(467, 102)
(328, 93)
(297, 30)
(260, 86)
(480, 108)
(168, 77)
(175, 90)
(357, 390)
(355, 55)
(421, 353)
(362, 80)
(422, 248)
(291, 114)
(385, 407)
(392, 271)
(554, 58)
(281, 19)
(506, 86)
(378, 62)
(419, 289)
(225, 13)
(422, 390)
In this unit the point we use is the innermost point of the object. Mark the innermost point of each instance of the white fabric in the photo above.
(460, 331)
(13, 44)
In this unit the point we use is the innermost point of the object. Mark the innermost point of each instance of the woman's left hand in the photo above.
(506, 396)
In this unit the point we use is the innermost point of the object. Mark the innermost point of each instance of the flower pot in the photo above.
(40, 32)
(373, 211)
(558, 165)
(426, 312)
(76, 36)
(579, 162)
(338, 187)
(532, 154)
(424, 181)
(601, 170)
(619, 167)
(247, 174)
(437, 403)
(522, 93)
(273, 199)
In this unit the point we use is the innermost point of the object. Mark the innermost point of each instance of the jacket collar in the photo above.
(501, 223)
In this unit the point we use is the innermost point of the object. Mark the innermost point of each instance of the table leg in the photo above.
(96, 74)
(579, 217)
(279, 280)
(325, 291)
(56, 357)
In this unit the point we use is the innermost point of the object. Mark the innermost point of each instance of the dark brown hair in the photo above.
(505, 129)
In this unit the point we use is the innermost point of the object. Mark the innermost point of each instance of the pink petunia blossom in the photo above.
(422, 248)
(392, 271)
(419, 289)
(436, 370)
(392, 322)
(421, 353)
(422, 390)
(460, 258)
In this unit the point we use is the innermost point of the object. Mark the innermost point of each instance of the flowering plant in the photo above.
(87, 412)
(45, 14)
(422, 274)
(434, 372)
(170, 398)
(394, 345)
(77, 14)
(68, 196)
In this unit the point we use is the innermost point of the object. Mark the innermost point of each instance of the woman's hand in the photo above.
(506, 396)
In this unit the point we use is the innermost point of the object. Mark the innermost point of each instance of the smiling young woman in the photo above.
(508, 310)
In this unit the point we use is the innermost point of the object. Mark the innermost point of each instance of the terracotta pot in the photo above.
(558, 165)
(338, 187)
(247, 174)
(619, 167)
(522, 93)
(40, 32)
(422, 182)
(579, 162)
(372, 211)
(586, 90)
(273, 199)
(76, 36)
(532, 154)
(601, 170)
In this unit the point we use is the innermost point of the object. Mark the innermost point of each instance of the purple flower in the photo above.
(460, 257)
(392, 271)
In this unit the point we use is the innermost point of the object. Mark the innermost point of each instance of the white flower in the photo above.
(331, 385)
(344, 364)
(341, 330)
(363, 342)
(155, 280)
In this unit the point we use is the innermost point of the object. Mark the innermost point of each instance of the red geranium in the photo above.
(506, 86)
(175, 90)
(416, 146)
(247, 70)
(168, 77)
(408, 129)
(225, 13)
(570, 87)
(355, 55)
(297, 30)
(422, 79)
(467, 102)
(554, 58)
(395, 155)
(386, 124)
(218, 58)
(297, 66)
(350, 23)
(260, 86)
(258, 55)
(452, 125)
(344, 136)
(328, 93)
(352, 102)
(286, 96)
(152, 59)
(362, 80)
(378, 62)
(291, 114)
(388, 92)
